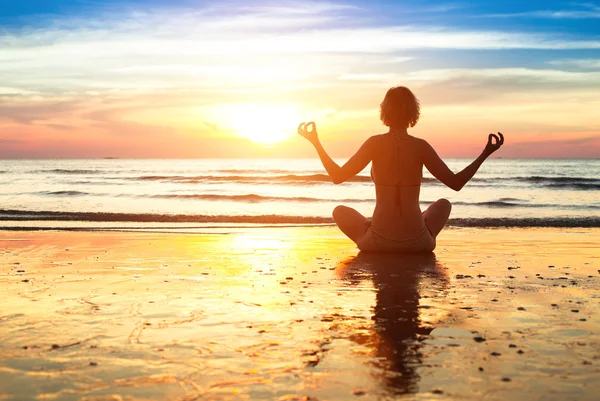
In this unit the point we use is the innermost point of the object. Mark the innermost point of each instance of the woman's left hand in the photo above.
(309, 131)
(492, 146)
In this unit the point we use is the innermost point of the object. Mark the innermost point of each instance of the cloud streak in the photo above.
(583, 11)
(584, 64)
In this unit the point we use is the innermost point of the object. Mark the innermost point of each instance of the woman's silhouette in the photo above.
(397, 166)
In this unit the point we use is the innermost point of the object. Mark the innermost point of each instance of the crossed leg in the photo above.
(352, 223)
(355, 225)
(437, 215)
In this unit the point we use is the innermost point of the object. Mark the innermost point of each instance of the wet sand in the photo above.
(295, 313)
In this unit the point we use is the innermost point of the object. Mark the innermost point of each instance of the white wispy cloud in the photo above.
(506, 74)
(367, 77)
(579, 11)
(445, 7)
(584, 64)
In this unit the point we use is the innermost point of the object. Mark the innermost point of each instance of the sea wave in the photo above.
(555, 222)
(537, 178)
(576, 183)
(19, 215)
(579, 183)
(63, 193)
(253, 171)
(501, 203)
(69, 171)
(288, 178)
(291, 179)
(253, 198)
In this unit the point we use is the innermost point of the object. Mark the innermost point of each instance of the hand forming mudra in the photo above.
(491, 147)
(309, 131)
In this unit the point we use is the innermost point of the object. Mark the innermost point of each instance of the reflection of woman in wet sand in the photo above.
(396, 317)
(397, 166)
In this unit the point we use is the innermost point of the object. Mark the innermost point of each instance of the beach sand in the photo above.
(295, 313)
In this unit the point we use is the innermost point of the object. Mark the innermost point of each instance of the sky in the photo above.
(196, 79)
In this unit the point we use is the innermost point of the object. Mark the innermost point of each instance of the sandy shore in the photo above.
(289, 313)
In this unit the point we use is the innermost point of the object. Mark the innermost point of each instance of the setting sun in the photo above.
(261, 123)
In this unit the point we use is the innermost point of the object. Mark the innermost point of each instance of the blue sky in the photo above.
(94, 74)
(577, 17)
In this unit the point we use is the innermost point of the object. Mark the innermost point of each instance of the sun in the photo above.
(263, 123)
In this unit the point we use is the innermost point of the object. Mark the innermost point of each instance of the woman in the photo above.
(397, 166)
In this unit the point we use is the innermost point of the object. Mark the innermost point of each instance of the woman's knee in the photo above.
(340, 211)
(442, 207)
(444, 203)
(431, 245)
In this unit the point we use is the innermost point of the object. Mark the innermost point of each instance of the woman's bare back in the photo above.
(397, 169)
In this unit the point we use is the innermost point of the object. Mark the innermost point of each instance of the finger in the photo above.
(312, 125)
(496, 138)
(501, 138)
(301, 128)
(490, 142)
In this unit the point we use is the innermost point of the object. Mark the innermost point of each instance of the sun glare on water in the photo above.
(263, 123)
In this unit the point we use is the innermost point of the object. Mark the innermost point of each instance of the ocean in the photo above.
(186, 194)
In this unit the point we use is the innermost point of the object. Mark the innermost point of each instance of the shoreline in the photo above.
(295, 312)
(17, 220)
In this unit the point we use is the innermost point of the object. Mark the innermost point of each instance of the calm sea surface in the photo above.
(134, 193)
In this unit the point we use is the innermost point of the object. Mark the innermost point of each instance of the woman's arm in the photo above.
(439, 170)
(338, 174)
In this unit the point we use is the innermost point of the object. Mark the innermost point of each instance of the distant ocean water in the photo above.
(132, 194)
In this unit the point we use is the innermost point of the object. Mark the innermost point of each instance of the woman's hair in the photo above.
(400, 107)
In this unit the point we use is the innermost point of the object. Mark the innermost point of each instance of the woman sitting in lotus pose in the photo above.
(397, 169)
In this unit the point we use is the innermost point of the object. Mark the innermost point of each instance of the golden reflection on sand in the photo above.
(274, 313)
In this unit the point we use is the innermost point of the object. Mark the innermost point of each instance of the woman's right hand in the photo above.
(311, 135)
(491, 147)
